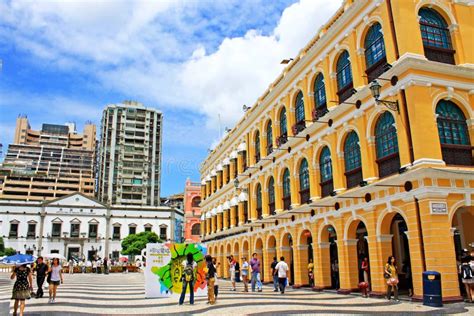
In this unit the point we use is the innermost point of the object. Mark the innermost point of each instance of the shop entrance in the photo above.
(333, 258)
(401, 251)
(463, 238)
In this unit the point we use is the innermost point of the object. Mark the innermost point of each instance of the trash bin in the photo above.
(432, 295)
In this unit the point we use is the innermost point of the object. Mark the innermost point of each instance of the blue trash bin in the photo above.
(432, 294)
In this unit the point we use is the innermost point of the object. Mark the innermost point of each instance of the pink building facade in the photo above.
(192, 211)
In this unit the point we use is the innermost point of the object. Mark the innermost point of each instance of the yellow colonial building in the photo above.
(362, 147)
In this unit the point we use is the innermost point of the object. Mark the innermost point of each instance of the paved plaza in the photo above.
(119, 294)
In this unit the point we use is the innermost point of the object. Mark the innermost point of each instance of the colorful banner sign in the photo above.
(164, 268)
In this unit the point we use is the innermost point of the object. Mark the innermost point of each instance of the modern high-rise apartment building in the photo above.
(130, 155)
(48, 163)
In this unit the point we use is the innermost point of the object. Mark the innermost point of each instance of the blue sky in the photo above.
(65, 60)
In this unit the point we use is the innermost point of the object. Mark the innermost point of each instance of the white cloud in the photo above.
(162, 52)
(94, 31)
(242, 68)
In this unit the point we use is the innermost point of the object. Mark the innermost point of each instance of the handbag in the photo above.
(48, 279)
(392, 281)
(386, 275)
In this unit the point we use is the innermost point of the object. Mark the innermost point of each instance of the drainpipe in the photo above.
(409, 135)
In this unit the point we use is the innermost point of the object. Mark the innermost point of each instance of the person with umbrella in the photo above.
(22, 287)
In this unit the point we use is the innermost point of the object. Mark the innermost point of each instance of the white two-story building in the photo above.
(81, 227)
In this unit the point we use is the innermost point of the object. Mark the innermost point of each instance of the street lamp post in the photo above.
(375, 90)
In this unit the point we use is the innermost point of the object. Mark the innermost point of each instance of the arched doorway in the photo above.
(401, 251)
(261, 256)
(357, 250)
(305, 249)
(287, 252)
(226, 261)
(245, 250)
(271, 252)
(362, 249)
(329, 236)
(238, 260)
(463, 236)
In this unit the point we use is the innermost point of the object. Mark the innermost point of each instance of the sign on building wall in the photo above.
(164, 268)
(439, 208)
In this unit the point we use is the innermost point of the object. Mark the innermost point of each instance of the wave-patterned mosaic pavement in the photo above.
(123, 294)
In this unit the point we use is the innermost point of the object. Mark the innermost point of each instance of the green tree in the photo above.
(134, 244)
(9, 251)
(2, 246)
(6, 251)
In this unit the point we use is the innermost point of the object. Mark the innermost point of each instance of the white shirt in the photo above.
(216, 277)
(55, 275)
(185, 263)
(245, 268)
(282, 268)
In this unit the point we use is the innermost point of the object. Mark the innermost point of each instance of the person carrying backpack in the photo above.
(188, 278)
(467, 276)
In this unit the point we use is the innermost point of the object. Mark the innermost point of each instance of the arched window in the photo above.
(319, 97)
(375, 57)
(352, 160)
(325, 166)
(196, 229)
(259, 201)
(196, 201)
(436, 37)
(286, 190)
(344, 77)
(283, 128)
(257, 146)
(453, 134)
(269, 138)
(271, 196)
(386, 140)
(304, 181)
(299, 114)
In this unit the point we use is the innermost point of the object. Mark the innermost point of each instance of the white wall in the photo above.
(78, 207)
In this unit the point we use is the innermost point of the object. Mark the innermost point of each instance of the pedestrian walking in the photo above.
(210, 277)
(467, 276)
(406, 268)
(232, 271)
(255, 266)
(188, 277)
(335, 274)
(365, 269)
(22, 288)
(106, 265)
(281, 269)
(216, 282)
(274, 275)
(54, 279)
(99, 266)
(245, 273)
(71, 266)
(237, 271)
(311, 272)
(391, 277)
(41, 270)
